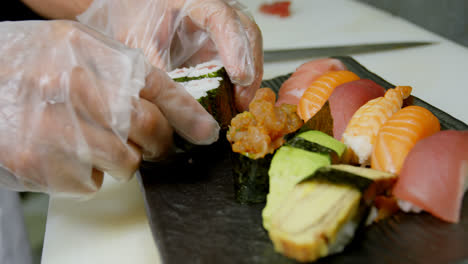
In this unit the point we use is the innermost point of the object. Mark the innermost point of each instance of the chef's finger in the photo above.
(91, 98)
(45, 167)
(111, 153)
(104, 149)
(150, 130)
(225, 29)
(244, 94)
(184, 113)
(72, 182)
(66, 149)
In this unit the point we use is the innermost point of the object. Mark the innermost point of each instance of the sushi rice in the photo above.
(200, 88)
(200, 79)
(204, 70)
(408, 207)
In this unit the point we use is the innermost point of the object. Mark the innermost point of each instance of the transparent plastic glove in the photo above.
(75, 103)
(174, 33)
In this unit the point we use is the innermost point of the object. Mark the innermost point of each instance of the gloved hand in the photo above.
(75, 104)
(174, 33)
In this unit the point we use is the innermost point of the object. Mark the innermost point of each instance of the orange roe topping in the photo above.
(261, 131)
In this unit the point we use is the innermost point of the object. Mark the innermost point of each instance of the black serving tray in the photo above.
(195, 218)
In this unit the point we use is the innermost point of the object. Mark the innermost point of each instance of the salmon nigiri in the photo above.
(320, 90)
(293, 88)
(363, 127)
(399, 134)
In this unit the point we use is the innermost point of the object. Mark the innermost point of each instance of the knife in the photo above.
(302, 53)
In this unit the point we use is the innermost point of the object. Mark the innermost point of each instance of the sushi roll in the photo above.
(210, 85)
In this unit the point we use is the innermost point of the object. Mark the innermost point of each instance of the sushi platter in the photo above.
(195, 217)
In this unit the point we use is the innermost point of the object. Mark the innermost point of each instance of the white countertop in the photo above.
(112, 227)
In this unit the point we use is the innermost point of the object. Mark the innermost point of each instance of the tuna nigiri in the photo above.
(320, 90)
(346, 100)
(399, 134)
(363, 127)
(434, 176)
(292, 89)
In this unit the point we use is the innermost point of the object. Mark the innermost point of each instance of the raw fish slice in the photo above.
(434, 175)
(292, 89)
(363, 127)
(398, 136)
(320, 90)
(346, 100)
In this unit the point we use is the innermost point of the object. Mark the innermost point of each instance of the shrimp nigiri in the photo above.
(347, 98)
(398, 136)
(320, 90)
(363, 127)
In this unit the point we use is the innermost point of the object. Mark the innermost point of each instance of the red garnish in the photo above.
(280, 8)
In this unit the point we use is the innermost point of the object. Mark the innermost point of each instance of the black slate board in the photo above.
(195, 218)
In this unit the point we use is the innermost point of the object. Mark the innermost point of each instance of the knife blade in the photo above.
(302, 53)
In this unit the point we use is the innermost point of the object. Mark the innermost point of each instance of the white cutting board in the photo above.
(332, 22)
(113, 228)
